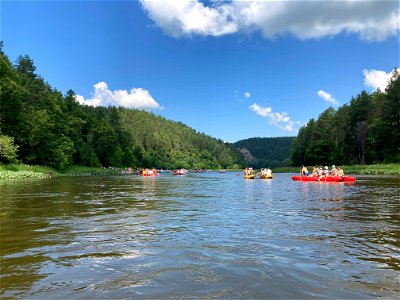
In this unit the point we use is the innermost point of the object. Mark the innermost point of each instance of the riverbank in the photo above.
(378, 169)
(15, 171)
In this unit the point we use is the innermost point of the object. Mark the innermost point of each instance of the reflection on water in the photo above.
(204, 235)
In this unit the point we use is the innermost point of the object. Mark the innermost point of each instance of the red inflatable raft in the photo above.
(325, 179)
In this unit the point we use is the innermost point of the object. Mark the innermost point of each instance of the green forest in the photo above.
(365, 131)
(41, 126)
(266, 152)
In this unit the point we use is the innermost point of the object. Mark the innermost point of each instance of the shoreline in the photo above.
(20, 171)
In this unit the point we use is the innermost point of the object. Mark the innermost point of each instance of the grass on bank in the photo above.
(14, 171)
(379, 169)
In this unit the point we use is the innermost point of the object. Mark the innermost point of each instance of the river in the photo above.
(207, 235)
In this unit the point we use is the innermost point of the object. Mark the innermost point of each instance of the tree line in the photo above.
(41, 126)
(365, 131)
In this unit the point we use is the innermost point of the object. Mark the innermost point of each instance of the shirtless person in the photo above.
(304, 171)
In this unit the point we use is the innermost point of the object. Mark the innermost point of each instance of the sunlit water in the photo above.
(207, 235)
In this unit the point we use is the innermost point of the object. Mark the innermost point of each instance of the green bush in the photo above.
(8, 151)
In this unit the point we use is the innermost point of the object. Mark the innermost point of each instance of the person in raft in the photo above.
(333, 170)
(268, 172)
(324, 173)
(339, 172)
(320, 173)
(304, 171)
(314, 171)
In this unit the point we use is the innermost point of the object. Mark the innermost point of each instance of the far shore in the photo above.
(16, 171)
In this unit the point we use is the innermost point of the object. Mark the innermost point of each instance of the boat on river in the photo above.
(249, 176)
(180, 172)
(265, 176)
(325, 179)
(150, 175)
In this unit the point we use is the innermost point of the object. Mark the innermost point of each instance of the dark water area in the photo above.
(208, 235)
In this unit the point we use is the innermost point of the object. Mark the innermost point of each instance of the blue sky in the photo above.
(232, 70)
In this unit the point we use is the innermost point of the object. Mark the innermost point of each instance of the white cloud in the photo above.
(328, 97)
(376, 79)
(187, 17)
(280, 120)
(372, 20)
(247, 95)
(135, 98)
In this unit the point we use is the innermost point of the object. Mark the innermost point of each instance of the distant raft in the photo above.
(180, 172)
(151, 175)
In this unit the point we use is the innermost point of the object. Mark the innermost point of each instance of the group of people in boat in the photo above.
(248, 171)
(319, 172)
(263, 173)
(181, 171)
(149, 172)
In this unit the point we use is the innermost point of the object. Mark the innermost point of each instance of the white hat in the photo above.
(333, 166)
(326, 167)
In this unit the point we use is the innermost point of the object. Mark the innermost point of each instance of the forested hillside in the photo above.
(266, 152)
(39, 125)
(367, 130)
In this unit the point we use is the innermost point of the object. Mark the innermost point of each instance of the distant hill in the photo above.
(266, 152)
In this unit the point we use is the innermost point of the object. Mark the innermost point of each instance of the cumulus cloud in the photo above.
(187, 17)
(280, 120)
(376, 79)
(246, 95)
(371, 20)
(135, 98)
(328, 97)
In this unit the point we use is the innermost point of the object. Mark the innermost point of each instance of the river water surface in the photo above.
(209, 235)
